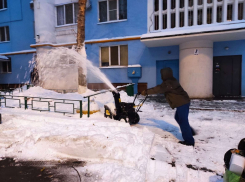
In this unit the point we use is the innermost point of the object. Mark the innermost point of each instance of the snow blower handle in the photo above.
(136, 96)
(141, 102)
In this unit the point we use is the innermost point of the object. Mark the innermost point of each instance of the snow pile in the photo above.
(114, 151)
(105, 145)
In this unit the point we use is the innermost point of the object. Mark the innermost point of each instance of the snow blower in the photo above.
(126, 111)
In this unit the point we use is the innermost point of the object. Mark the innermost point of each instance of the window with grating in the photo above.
(182, 19)
(229, 12)
(219, 14)
(182, 4)
(156, 4)
(164, 19)
(173, 20)
(190, 18)
(199, 17)
(240, 11)
(173, 5)
(209, 15)
(164, 6)
(156, 27)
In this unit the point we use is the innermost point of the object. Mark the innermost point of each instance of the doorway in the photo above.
(227, 76)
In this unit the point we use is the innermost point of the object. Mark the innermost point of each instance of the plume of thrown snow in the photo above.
(58, 69)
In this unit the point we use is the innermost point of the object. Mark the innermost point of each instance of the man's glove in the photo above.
(144, 92)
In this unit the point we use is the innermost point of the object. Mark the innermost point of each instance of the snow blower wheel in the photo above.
(126, 111)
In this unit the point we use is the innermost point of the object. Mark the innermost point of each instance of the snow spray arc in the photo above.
(58, 69)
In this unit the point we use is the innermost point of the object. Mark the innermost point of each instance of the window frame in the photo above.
(4, 8)
(5, 34)
(1, 71)
(119, 56)
(73, 14)
(108, 11)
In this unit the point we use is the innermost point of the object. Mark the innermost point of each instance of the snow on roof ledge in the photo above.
(3, 57)
(136, 65)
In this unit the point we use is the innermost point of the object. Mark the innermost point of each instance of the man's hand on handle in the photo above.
(144, 92)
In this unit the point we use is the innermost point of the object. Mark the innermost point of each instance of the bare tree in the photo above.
(80, 38)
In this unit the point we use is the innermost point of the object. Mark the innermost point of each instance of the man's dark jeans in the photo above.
(181, 116)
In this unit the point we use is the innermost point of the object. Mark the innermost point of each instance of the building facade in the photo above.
(16, 36)
(202, 41)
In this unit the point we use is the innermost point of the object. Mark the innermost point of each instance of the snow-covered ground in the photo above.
(115, 151)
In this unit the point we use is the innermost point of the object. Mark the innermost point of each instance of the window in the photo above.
(219, 14)
(182, 19)
(111, 10)
(181, 4)
(164, 19)
(209, 15)
(156, 5)
(6, 66)
(229, 12)
(240, 11)
(156, 27)
(173, 20)
(3, 4)
(67, 14)
(190, 18)
(173, 4)
(199, 17)
(114, 56)
(164, 5)
(4, 34)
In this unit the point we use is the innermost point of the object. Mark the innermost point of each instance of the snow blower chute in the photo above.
(126, 111)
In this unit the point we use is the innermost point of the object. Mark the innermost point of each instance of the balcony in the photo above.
(187, 20)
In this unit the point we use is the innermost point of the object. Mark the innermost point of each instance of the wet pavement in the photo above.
(38, 171)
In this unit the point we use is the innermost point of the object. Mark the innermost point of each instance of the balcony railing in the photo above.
(176, 14)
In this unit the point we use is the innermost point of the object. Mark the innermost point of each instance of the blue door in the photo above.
(173, 64)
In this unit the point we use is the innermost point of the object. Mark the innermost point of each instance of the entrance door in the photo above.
(173, 64)
(227, 76)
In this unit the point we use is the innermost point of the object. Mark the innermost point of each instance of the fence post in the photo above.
(25, 103)
(88, 106)
(81, 109)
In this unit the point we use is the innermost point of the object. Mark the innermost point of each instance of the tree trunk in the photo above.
(80, 39)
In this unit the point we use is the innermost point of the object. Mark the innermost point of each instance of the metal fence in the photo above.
(48, 101)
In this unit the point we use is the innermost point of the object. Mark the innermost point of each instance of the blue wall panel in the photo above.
(20, 70)
(20, 19)
(138, 53)
(136, 23)
(173, 64)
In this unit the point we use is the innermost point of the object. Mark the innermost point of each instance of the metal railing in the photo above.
(92, 96)
(45, 100)
(42, 100)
